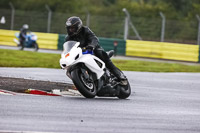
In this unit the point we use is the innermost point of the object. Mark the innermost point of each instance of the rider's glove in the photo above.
(89, 47)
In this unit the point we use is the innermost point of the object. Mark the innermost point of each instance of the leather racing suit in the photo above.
(89, 40)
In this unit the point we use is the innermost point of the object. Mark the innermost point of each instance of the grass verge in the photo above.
(13, 58)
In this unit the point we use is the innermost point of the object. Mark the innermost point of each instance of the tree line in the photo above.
(173, 9)
(107, 17)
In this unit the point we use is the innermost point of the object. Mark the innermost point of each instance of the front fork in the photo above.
(85, 73)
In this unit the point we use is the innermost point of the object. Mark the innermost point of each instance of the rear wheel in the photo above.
(84, 82)
(125, 91)
(36, 47)
(21, 47)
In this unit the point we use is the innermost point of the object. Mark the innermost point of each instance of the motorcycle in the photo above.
(89, 74)
(30, 42)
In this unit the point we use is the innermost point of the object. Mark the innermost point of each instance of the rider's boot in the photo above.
(21, 44)
(106, 58)
(118, 73)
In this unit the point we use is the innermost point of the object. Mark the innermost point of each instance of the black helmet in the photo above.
(73, 25)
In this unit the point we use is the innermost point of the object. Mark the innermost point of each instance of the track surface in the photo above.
(160, 102)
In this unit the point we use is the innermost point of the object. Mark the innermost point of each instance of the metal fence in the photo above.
(150, 29)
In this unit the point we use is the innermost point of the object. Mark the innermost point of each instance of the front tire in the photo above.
(85, 87)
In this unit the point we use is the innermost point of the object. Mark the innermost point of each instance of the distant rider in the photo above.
(22, 35)
(77, 32)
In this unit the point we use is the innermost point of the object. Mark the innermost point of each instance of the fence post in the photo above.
(88, 19)
(12, 15)
(198, 35)
(134, 29)
(49, 18)
(127, 22)
(126, 25)
(163, 27)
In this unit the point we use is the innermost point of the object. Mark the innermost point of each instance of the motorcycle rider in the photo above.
(22, 35)
(77, 32)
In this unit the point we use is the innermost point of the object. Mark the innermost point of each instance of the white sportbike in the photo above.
(89, 74)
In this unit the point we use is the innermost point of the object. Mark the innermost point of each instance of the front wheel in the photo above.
(84, 82)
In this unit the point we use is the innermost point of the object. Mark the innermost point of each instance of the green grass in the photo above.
(13, 58)
(129, 65)
(16, 58)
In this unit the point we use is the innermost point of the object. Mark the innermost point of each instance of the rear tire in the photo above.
(87, 89)
(125, 91)
(21, 47)
(36, 47)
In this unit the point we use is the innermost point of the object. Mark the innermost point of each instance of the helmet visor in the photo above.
(72, 30)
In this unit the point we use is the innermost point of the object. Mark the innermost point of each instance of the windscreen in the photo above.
(67, 46)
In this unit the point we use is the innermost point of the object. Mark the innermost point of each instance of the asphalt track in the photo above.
(159, 103)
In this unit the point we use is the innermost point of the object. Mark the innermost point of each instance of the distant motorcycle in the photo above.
(89, 74)
(30, 42)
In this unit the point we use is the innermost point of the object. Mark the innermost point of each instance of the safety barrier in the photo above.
(61, 40)
(7, 36)
(162, 50)
(107, 43)
(118, 45)
(45, 40)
